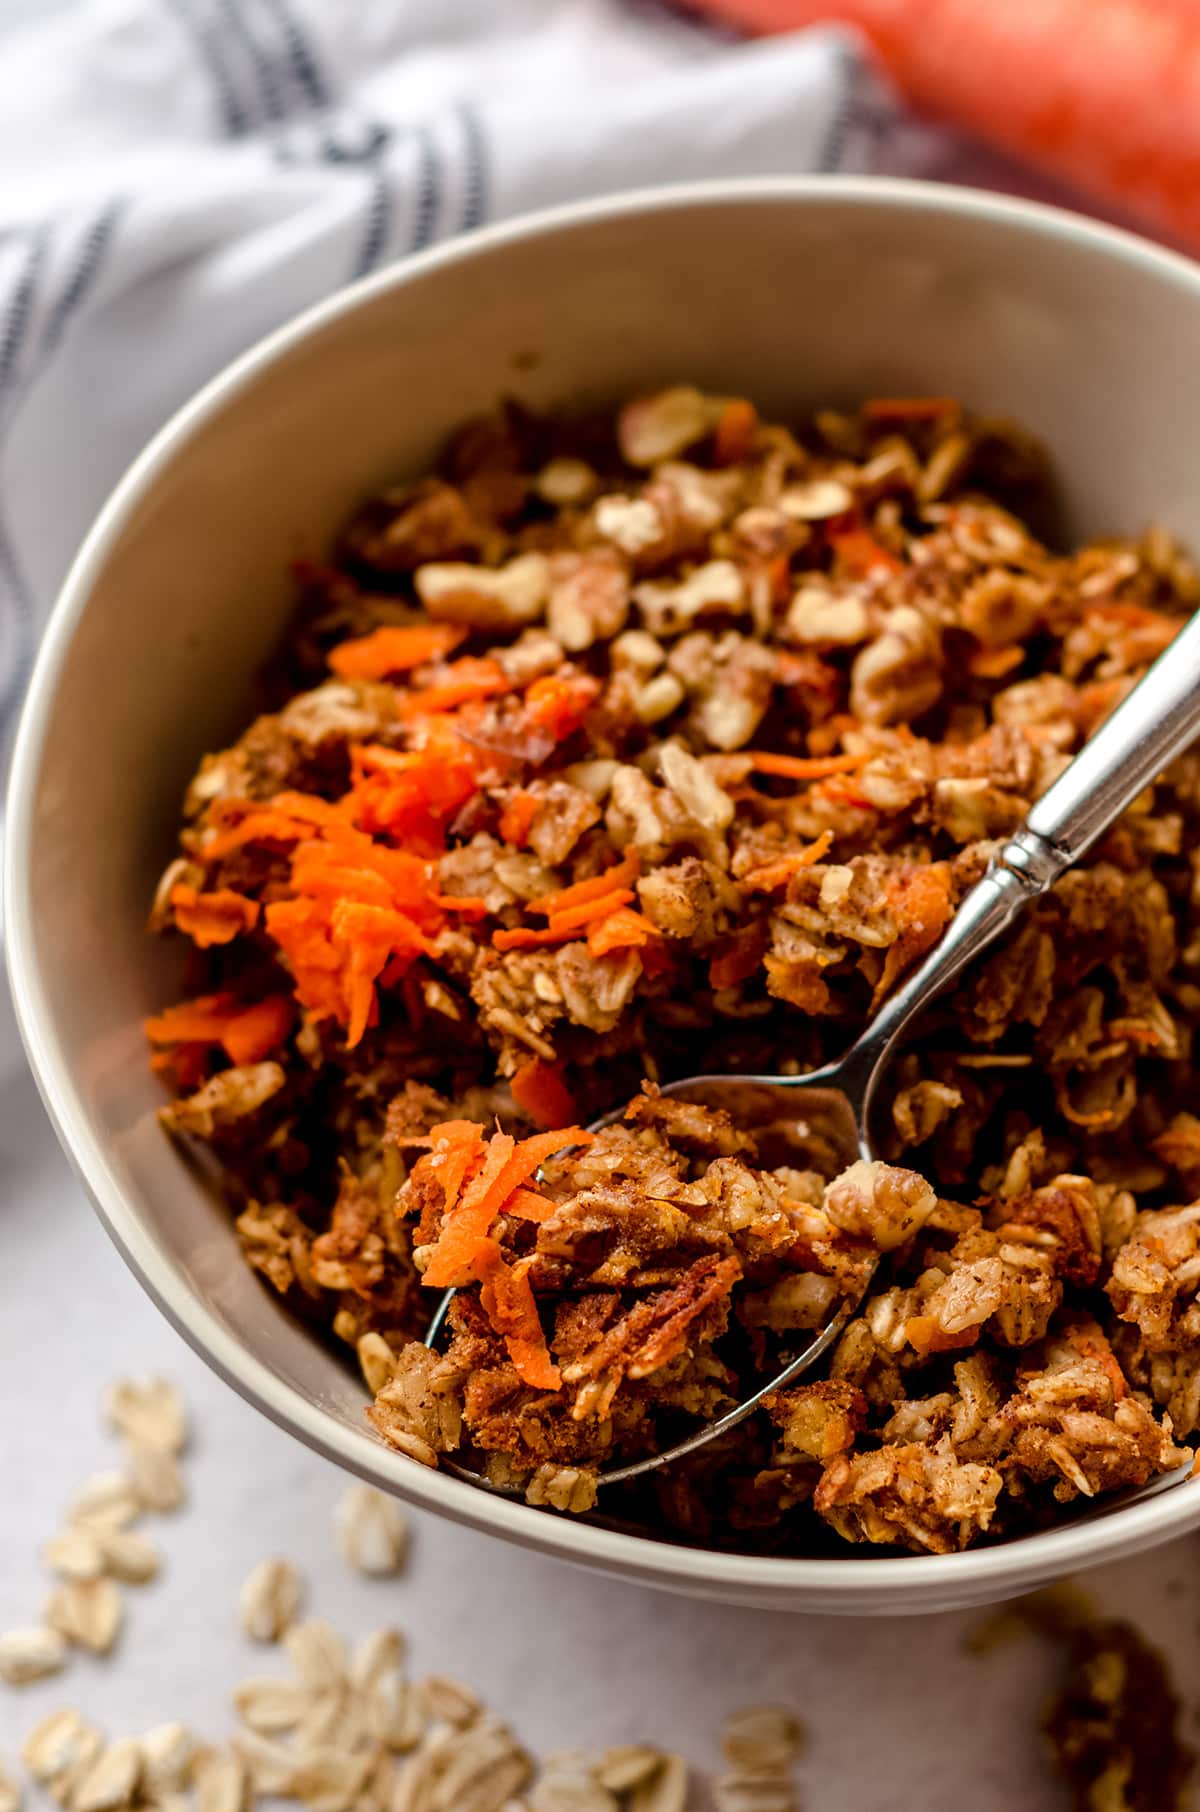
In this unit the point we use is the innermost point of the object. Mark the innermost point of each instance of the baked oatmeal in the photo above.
(621, 749)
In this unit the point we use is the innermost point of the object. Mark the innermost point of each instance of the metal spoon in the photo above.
(1154, 724)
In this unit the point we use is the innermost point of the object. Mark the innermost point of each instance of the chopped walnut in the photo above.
(658, 427)
(589, 599)
(668, 607)
(505, 597)
(898, 676)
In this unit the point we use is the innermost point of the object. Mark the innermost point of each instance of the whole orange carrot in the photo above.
(1104, 94)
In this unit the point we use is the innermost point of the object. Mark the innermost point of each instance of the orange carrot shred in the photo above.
(394, 649)
(805, 767)
(888, 409)
(994, 663)
(506, 1166)
(736, 428)
(516, 820)
(456, 1145)
(467, 1225)
(247, 1034)
(770, 875)
(510, 1305)
(258, 1030)
(566, 924)
(559, 702)
(620, 929)
(539, 1090)
(621, 875)
(739, 958)
(861, 554)
(530, 1205)
(524, 937)
(212, 918)
(457, 684)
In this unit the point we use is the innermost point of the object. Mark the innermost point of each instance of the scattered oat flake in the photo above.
(75, 1553)
(270, 1600)
(220, 1780)
(167, 1753)
(665, 1791)
(112, 1781)
(627, 1766)
(148, 1413)
(155, 1480)
(381, 1653)
(57, 1743)
(30, 1654)
(269, 1704)
(743, 1791)
(87, 1612)
(372, 1531)
(317, 1653)
(104, 1500)
(129, 1556)
(761, 1738)
(449, 1701)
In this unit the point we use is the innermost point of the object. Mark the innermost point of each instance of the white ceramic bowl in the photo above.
(794, 292)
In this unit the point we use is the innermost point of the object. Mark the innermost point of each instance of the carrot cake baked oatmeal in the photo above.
(627, 748)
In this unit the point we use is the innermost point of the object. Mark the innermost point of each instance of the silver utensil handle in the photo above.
(1145, 733)
(1157, 722)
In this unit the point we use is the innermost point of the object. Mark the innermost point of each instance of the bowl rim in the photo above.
(855, 1583)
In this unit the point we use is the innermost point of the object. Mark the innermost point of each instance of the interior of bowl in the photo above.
(791, 293)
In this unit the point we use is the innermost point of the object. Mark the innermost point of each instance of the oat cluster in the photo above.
(671, 741)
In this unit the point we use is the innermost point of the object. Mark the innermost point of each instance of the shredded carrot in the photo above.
(530, 1205)
(737, 960)
(622, 875)
(564, 925)
(247, 1034)
(395, 650)
(994, 663)
(212, 918)
(467, 1224)
(736, 428)
(805, 767)
(620, 929)
(809, 670)
(506, 1166)
(769, 876)
(524, 937)
(843, 795)
(458, 683)
(559, 702)
(256, 1031)
(183, 1067)
(920, 901)
(884, 410)
(510, 1305)
(456, 1146)
(516, 820)
(539, 1090)
(860, 553)
(462, 902)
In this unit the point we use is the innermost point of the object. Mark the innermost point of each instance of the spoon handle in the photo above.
(1158, 720)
